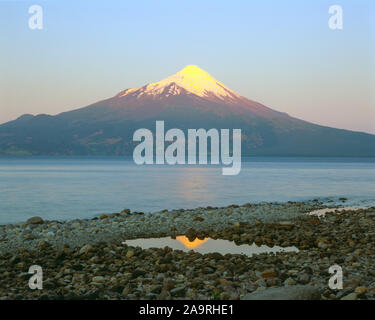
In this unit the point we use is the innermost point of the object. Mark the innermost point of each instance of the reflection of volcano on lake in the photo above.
(196, 243)
(206, 245)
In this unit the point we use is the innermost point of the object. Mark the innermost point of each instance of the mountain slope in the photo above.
(190, 98)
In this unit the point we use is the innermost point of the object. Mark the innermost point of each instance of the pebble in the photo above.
(360, 290)
(289, 282)
(98, 279)
(351, 296)
(35, 220)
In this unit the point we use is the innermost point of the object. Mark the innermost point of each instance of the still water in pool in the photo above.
(206, 245)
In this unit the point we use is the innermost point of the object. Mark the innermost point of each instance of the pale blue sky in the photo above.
(280, 53)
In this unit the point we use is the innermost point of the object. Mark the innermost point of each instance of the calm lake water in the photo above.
(81, 187)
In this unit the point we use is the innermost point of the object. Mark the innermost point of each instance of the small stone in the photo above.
(224, 296)
(43, 244)
(126, 291)
(224, 282)
(103, 216)
(178, 292)
(286, 225)
(285, 293)
(271, 282)
(129, 254)
(289, 282)
(98, 279)
(304, 278)
(360, 290)
(322, 245)
(35, 220)
(261, 283)
(85, 249)
(156, 288)
(168, 286)
(271, 273)
(351, 296)
(50, 235)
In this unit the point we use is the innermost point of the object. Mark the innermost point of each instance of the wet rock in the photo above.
(156, 288)
(178, 292)
(98, 279)
(269, 273)
(261, 283)
(360, 290)
(35, 220)
(350, 296)
(85, 249)
(76, 225)
(322, 245)
(43, 244)
(290, 282)
(304, 278)
(168, 285)
(285, 293)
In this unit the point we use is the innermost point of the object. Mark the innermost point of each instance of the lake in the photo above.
(63, 188)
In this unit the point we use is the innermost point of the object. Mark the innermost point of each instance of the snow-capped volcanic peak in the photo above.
(191, 80)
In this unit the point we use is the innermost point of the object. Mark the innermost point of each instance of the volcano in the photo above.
(189, 99)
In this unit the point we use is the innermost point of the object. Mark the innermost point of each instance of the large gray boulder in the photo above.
(298, 292)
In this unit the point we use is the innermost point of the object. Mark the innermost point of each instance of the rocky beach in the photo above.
(88, 259)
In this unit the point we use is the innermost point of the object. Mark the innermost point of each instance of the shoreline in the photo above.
(86, 259)
(131, 225)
